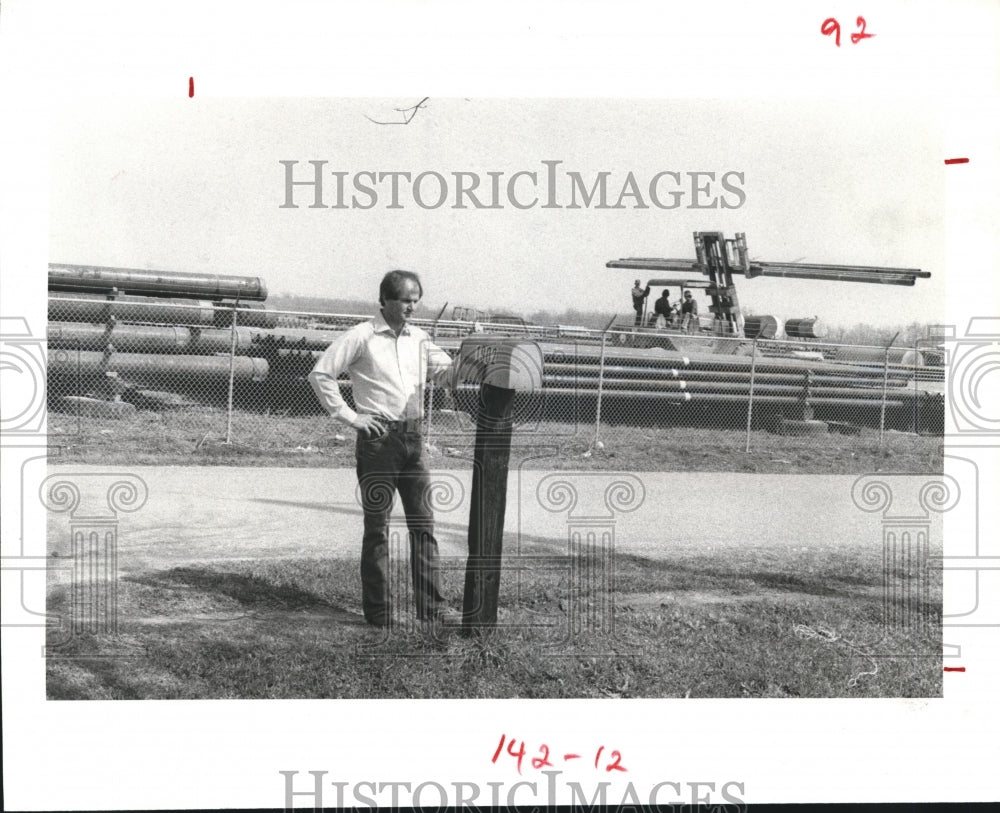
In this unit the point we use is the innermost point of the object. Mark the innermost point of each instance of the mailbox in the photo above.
(502, 368)
(500, 361)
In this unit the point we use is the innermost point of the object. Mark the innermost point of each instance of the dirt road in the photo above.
(215, 513)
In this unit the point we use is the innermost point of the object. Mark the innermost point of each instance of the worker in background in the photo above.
(639, 295)
(663, 309)
(689, 313)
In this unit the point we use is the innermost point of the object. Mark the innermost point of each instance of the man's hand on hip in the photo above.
(369, 427)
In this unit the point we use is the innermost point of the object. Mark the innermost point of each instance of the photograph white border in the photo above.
(186, 754)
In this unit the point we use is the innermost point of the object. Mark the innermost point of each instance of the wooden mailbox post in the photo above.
(502, 367)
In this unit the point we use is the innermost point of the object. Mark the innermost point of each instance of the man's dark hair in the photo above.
(392, 285)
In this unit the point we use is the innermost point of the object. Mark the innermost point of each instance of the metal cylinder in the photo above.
(760, 327)
(902, 356)
(100, 279)
(248, 314)
(708, 377)
(147, 338)
(68, 307)
(139, 367)
(738, 388)
(726, 365)
(682, 396)
(810, 328)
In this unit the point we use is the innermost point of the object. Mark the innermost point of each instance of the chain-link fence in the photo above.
(139, 378)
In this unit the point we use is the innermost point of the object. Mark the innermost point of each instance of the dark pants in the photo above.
(638, 317)
(386, 465)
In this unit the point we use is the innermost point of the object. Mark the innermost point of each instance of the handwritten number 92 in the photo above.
(831, 26)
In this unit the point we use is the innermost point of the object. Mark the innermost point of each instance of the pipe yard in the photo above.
(164, 340)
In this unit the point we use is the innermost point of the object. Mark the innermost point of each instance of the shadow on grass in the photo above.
(686, 650)
(828, 580)
(249, 591)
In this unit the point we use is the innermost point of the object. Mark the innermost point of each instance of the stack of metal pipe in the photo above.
(115, 328)
(665, 387)
(192, 332)
(847, 392)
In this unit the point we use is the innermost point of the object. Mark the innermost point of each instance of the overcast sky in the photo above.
(197, 185)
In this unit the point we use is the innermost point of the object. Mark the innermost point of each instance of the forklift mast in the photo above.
(719, 257)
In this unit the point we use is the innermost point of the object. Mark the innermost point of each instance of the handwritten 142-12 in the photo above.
(831, 26)
(614, 763)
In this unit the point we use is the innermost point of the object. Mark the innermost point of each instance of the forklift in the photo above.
(718, 258)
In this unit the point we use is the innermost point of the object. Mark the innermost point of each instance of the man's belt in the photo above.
(410, 426)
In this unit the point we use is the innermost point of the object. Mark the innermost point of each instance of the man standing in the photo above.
(639, 295)
(388, 361)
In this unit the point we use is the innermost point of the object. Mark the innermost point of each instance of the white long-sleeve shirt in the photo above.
(388, 372)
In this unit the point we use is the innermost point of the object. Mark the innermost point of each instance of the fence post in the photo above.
(753, 371)
(885, 392)
(232, 371)
(430, 397)
(600, 381)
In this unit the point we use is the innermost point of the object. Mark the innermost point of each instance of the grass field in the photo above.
(794, 623)
(735, 621)
(197, 437)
